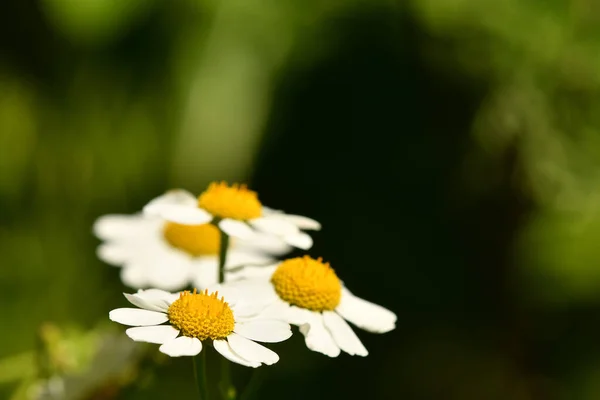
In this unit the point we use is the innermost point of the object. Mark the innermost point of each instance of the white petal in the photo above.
(186, 215)
(137, 317)
(134, 276)
(236, 229)
(237, 258)
(298, 316)
(364, 314)
(300, 240)
(229, 293)
(142, 303)
(302, 222)
(153, 334)
(263, 243)
(175, 196)
(258, 291)
(181, 346)
(158, 294)
(253, 272)
(151, 299)
(113, 253)
(247, 310)
(170, 273)
(264, 330)
(141, 247)
(177, 206)
(122, 226)
(318, 338)
(246, 299)
(279, 310)
(274, 225)
(164, 268)
(226, 351)
(205, 272)
(251, 351)
(343, 335)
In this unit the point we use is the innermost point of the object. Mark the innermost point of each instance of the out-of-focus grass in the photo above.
(108, 104)
(543, 107)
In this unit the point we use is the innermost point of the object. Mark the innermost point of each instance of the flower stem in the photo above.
(227, 389)
(223, 255)
(252, 389)
(200, 374)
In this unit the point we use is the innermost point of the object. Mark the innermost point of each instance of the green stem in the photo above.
(252, 389)
(223, 255)
(227, 389)
(200, 374)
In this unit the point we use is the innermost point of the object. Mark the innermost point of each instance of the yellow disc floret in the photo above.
(235, 201)
(307, 283)
(196, 240)
(201, 315)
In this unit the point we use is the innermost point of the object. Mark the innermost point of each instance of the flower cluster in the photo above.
(226, 245)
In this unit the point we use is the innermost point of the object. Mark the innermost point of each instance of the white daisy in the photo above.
(238, 213)
(193, 320)
(307, 292)
(166, 255)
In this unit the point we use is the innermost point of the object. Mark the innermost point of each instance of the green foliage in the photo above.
(109, 103)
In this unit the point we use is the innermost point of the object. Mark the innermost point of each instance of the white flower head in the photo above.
(231, 323)
(167, 255)
(306, 292)
(238, 211)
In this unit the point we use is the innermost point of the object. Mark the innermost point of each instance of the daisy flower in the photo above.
(193, 320)
(167, 255)
(238, 212)
(307, 292)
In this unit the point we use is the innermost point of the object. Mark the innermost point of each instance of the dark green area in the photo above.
(450, 149)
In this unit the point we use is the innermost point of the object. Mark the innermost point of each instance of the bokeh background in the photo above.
(451, 149)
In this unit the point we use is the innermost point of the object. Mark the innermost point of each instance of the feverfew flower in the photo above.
(307, 292)
(238, 212)
(166, 255)
(229, 322)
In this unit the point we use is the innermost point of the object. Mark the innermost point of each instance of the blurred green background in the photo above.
(451, 149)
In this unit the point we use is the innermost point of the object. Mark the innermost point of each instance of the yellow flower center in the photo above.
(235, 201)
(307, 283)
(196, 240)
(201, 315)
